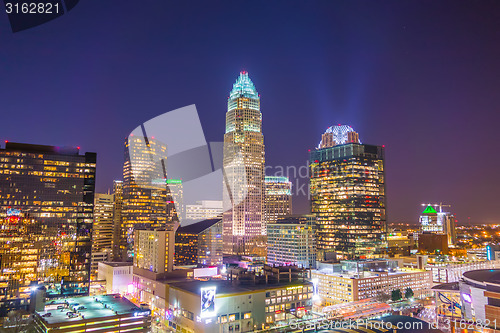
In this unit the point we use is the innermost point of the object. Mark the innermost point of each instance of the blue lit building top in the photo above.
(243, 87)
(276, 179)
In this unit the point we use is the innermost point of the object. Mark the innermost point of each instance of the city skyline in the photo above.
(419, 89)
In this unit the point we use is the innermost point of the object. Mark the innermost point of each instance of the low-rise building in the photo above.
(480, 297)
(226, 306)
(352, 281)
(445, 272)
(118, 276)
(107, 313)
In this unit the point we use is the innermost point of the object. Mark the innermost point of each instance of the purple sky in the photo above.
(420, 77)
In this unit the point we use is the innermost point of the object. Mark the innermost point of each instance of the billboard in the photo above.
(207, 302)
(205, 272)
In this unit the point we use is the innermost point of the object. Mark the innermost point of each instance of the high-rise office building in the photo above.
(347, 185)
(438, 222)
(292, 241)
(278, 199)
(175, 200)
(117, 219)
(144, 188)
(102, 230)
(199, 243)
(49, 193)
(243, 218)
(154, 250)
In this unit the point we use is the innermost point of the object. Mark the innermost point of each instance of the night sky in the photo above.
(420, 77)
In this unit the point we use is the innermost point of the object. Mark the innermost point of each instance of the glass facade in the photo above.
(347, 186)
(244, 227)
(292, 241)
(278, 201)
(145, 192)
(46, 208)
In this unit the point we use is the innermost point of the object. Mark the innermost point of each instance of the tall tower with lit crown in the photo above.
(243, 219)
(347, 187)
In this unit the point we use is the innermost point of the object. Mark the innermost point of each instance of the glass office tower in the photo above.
(243, 218)
(144, 189)
(278, 200)
(347, 186)
(46, 209)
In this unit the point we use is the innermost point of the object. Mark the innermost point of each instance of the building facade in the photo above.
(199, 244)
(117, 219)
(480, 297)
(278, 200)
(446, 272)
(102, 229)
(118, 276)
(347, 185)
(292, 240)
(243, 162)
(350, 281)
(144, 189)
(220, 306)
(154, 250)
(47, 195)
(204, 209)
(432, 221)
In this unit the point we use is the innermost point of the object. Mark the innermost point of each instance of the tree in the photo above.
(396, 295)
(383, 297)
(408, 293)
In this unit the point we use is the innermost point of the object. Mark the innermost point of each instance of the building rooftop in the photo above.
(117, 264)
(451, 286)
(243, 87)
(198, 227)
(87, 307)
(15, 146)
(483, 276)
(224, 287)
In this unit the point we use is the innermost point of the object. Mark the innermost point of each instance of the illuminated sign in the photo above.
(207, 302)
(467, 298)
(292, 288)
(13, 212)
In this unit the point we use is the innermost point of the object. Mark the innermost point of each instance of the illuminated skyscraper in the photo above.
(278, 199)
(48, 194)
(243, 218)
(144, 188)
(117, 218)
(438, 222)
(102, 230)
(347, 185)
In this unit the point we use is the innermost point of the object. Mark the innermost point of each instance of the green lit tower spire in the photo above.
(243, 220)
